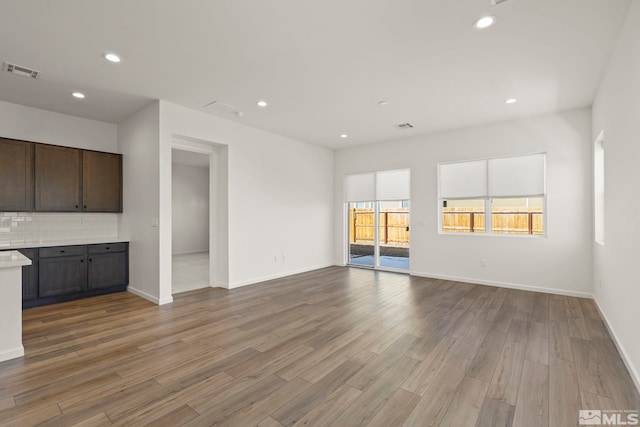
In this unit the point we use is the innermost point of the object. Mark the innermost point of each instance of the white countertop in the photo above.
(48, 243)
(13, 259)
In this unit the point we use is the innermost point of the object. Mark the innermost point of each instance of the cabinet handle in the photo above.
(107, 248)
(61, 252)
(85, 206)
(90, 260)
(76, 206)
(81, 260)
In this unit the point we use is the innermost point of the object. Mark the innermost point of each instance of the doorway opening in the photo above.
(190, 177)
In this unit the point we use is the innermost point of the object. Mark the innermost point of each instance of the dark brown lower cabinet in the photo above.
(63, 273)
(106, 270)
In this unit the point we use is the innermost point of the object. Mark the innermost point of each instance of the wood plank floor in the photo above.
(333, 347)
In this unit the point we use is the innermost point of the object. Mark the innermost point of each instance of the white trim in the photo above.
(278, 276)
(505, 285)
(219, 285)
(149, 297)
(599, 204)
(12, 354)
(633, 372)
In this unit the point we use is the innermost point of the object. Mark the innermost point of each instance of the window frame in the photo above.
(488, 214)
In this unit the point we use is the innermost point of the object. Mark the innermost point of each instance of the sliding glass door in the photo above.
(379, 234)
(362, 234)
(393, 234)
(378, 219)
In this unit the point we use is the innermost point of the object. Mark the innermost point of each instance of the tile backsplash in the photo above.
(20, 228)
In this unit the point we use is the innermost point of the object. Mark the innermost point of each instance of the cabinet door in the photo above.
(30, 275)
(57, 175)
(16, 175)
(101, 182)
(106, 270)
(59, 276)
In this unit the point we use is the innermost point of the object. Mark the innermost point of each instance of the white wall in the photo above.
(559, 262)
(138, 142)
(616, 110)
(280, 197)
(190, 209)
(32, 124)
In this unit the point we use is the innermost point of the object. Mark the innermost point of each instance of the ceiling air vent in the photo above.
(224, 107)
(21, 71)
(404, 126)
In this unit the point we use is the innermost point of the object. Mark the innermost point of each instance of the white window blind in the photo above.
(463, 180)
(393, 185)
(359, 187)
(383, 185)
(521, 176)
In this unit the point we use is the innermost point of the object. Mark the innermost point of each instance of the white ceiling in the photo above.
(322, 65)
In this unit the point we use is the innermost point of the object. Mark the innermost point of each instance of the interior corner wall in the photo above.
(32, 124)
(280, 196)
(138, 138)
(190, 209)
(616, 110)
(558, 263)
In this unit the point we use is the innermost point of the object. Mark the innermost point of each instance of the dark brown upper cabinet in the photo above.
(101, 182)
(16, 175)
(48, 178)
(58, 174)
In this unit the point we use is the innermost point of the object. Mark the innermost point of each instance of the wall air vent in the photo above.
(21, 71)
(404, 126)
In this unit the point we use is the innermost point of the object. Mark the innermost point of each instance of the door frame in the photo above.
(376, 238)
(217, 221)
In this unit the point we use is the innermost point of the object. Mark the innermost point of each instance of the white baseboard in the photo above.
(277, 276)
(554, 291)
(633, 372)
(12, 354)
(149, 297)
(220, 285)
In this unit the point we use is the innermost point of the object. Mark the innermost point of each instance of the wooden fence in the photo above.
(394, 224)
(503, 220)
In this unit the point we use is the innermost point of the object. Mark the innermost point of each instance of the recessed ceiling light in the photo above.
(344, 135)
(262, 104)
(511, 101)
(111, 57)
(484, 22)
(78, 95)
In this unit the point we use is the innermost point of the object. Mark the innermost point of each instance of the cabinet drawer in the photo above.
(107, 247)
(62, 251)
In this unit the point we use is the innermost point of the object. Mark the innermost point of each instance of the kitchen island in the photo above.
(11, 263)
